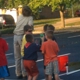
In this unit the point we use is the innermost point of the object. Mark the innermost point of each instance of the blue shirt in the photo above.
(30, 51)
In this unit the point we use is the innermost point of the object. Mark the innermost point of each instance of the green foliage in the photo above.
(3, 3)
(13, 3)
(35, 5)
(10, 4)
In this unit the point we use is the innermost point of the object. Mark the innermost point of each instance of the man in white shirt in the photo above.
(24, 19)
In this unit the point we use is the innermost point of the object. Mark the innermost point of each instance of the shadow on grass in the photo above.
(46, 21)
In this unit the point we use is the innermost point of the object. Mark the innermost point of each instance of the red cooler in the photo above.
(63, 60)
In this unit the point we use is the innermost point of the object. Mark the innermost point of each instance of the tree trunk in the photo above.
(72, 12)
(62, 19)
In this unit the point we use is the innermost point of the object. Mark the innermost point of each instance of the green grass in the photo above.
(74, 65)
(46, 21)
(36, 23)
(72, 24)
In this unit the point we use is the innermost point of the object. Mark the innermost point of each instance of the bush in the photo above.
(7, 31)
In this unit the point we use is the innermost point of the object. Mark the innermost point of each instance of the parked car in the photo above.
(6, 21)
(77, 13)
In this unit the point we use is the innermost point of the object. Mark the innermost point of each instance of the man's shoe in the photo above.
(19, 77)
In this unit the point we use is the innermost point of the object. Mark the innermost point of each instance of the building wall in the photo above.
(46, 12)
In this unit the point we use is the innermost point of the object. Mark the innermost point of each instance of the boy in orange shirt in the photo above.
(50, 51)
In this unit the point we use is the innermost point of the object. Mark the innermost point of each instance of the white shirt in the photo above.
(21, 22)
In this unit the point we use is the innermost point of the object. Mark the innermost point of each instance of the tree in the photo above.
(72, 4)
(3, 3)
(13, 3)
(35, 5)
(55, 4)
(8, 3)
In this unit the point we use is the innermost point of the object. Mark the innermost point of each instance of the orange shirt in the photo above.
(50, 49)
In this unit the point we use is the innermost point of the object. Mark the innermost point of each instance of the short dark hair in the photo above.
(26, 11)
(29, 37)
(50, 34)
(51, 27)
(48, 27)
(27, 27)
(45, 27)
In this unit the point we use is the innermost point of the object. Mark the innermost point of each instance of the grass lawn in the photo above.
(72, 24)
(45, 21)
(74, 65)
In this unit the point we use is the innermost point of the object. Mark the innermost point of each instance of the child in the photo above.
(42, 36)
(30, 57)
(48, 27)
(3, 61)
(50, 50)
(27, 30)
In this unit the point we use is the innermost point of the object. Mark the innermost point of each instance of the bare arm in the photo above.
(43, 48)
(30, 22)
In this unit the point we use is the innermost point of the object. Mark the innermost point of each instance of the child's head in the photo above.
(29, 38)
(48, 27)
(51, 27)
(49, 34)
(27, 29)
(45, 27)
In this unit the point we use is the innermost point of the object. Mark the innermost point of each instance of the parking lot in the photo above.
(69, 42)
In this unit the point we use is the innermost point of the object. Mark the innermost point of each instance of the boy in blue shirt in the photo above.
(30, 57)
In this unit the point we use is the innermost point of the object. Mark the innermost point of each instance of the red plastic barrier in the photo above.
(63, 60)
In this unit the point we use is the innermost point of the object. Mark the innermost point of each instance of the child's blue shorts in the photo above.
(4, 72)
